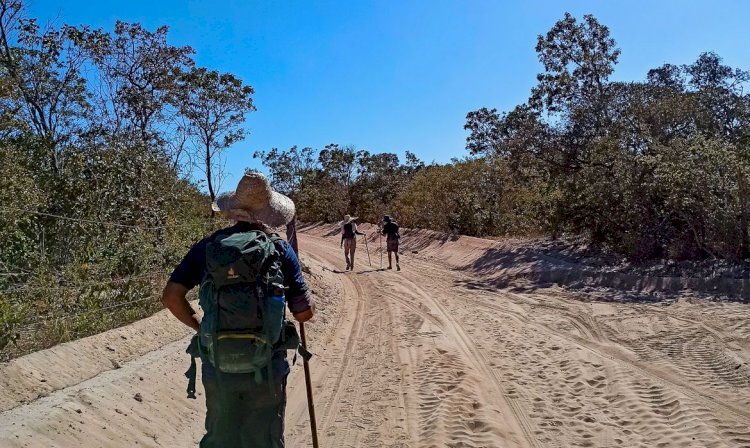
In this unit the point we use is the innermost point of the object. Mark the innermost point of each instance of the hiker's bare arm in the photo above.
(306, 315)
(174, 299)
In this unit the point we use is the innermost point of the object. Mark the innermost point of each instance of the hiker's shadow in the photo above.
(371, 271)
(339, 271)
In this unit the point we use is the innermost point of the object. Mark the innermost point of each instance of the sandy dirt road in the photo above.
(433, 356)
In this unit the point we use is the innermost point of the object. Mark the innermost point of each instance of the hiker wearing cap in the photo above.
(349, 234)
(248, 275)
(390, 230)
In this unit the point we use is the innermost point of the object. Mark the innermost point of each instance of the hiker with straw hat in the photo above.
(248, 275)
(349, 234)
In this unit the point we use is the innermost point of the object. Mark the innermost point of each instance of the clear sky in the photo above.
(396, 75)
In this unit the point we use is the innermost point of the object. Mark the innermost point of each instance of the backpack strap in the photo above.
(291, 341)
(194, 351)
(306, 355)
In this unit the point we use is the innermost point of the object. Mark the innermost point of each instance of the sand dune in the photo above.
(433, 356)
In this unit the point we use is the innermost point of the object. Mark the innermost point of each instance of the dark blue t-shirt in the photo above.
(192, 268)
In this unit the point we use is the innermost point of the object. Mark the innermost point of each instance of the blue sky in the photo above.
(388, 75)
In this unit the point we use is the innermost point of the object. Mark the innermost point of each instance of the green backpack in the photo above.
(242, 297)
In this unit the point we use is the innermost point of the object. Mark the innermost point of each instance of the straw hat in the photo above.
(255, 201)
(348, 219)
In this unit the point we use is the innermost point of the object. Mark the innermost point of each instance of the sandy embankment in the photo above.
(124, 387)
(507, 261)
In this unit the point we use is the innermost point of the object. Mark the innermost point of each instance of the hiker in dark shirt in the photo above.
(390, 230)
(349, 234)
(243, 410)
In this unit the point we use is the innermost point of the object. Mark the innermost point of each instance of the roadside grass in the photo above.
(34, 318)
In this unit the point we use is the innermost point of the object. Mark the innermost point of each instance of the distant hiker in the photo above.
(349, 234)
(390, 230)
(247, 276)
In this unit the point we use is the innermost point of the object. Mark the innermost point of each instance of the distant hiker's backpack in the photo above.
(348, 230)
(392, 229)
(242, 297)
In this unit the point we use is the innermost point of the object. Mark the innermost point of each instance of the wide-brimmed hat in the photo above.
(348, 219)
(255, 201)
(386, 218)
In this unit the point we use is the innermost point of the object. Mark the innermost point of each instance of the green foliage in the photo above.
(654, 169)
(699, 186)
(11, 317)
(140, 73)
(474, 197)
(17, 231)
(288, 168)
(214, 106)
(341, 180)
(96, 201)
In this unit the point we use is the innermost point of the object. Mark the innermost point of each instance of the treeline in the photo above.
(477, 196)
(101, 134)
(328, 183)
(653, 169)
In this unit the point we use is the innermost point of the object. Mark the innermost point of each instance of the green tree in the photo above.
(288, 168)
(138, 87)
(44, 70)
(214, 105)
(616, 156)
(94, 207)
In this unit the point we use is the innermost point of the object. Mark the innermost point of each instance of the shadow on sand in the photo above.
(369, 271)
(581, 293)
(509, 268)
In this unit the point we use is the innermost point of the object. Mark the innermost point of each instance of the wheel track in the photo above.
(660, 402)
(595, 334)
(685, 389)
(372, 320)
(342, 380)
(402, 395)
(522, 427)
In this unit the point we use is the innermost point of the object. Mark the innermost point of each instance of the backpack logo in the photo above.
(231, 275)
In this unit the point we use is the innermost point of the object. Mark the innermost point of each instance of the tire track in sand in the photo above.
(664, 403)
(727, 422)
(328, 367)
(613, 355)
(355, 406)
(503, 430)
(593, 338)
(521, 428)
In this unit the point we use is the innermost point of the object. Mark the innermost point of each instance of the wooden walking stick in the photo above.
(381, 247)
(367, 249)
(291, 235)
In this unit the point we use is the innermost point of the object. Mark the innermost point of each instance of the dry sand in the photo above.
(435, 355)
